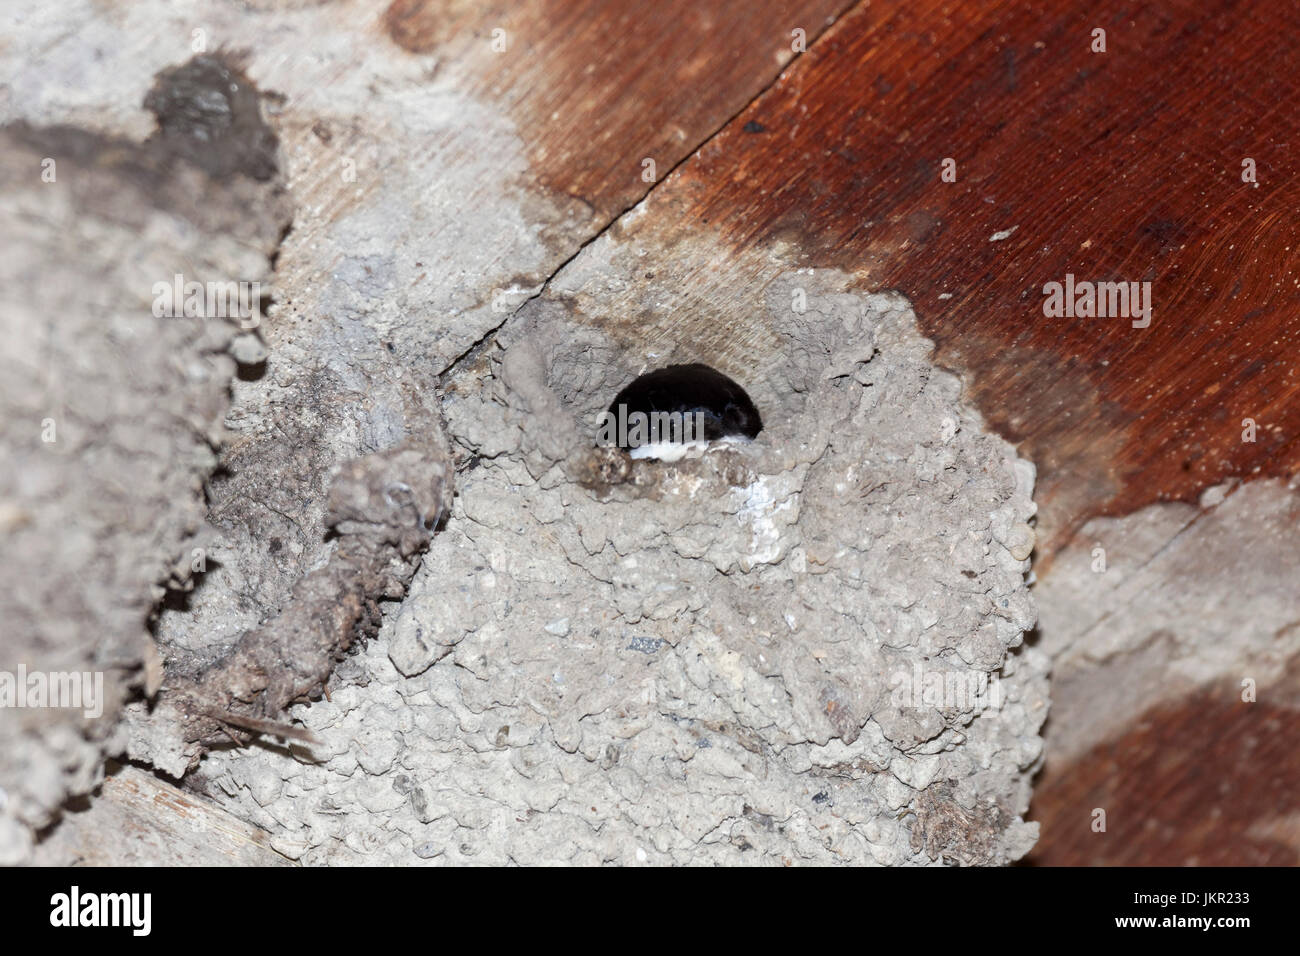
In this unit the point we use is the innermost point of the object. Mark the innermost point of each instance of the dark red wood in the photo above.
(1123, 165)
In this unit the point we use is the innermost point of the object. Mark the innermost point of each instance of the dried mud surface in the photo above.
(612, 661)
(111, 420)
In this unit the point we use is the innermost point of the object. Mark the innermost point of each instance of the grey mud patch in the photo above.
(764, 654)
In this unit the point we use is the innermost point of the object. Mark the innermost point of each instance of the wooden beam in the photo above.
(1116, 166)
(137, 819)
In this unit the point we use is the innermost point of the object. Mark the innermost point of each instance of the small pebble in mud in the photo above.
(663, 413)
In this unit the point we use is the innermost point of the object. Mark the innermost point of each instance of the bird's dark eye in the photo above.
(679, 404)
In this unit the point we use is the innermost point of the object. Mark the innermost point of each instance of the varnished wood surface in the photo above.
(599, 86)
(1123, 165)
(1207, 781)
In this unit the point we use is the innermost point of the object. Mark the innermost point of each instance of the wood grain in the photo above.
(1206, 781)
(1117, 166)
(137, 819)
(598, 86)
